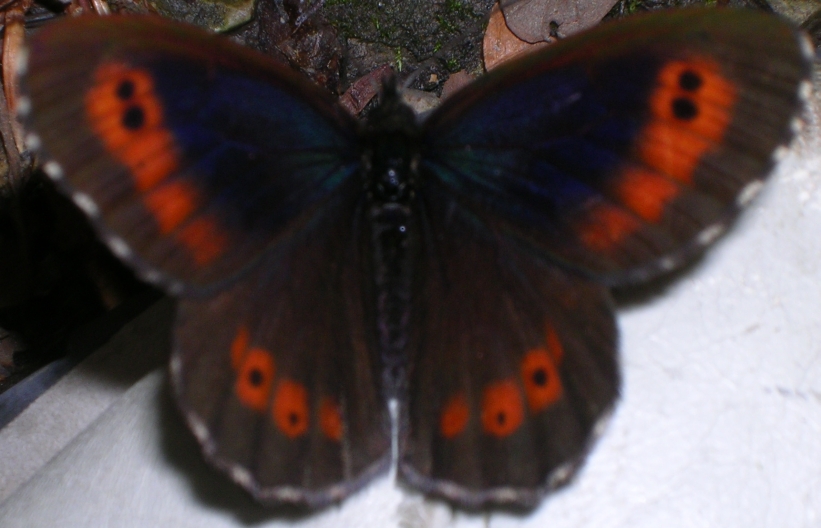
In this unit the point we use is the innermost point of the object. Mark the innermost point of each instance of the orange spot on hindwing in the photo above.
(541, 379)
(239, 346)
(255, 376)
(554, 345)
(502, 408)
(454, 417)
(330, 419)
(254, 379)
(540, 373)
(290, 410)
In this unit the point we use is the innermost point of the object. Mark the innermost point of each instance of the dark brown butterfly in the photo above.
(460, 266)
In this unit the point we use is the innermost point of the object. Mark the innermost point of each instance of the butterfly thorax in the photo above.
(390, 153)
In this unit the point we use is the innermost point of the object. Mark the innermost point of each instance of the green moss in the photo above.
(631, 6)
(457, 7)
(446, 25)
(447, 31)
(452, 64)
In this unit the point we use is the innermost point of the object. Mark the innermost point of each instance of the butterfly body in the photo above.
(460, 265)
(390, 178)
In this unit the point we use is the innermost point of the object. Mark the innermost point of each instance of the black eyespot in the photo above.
(125, 90)
(684, 109)
(501, 418)
(293, 419)
(540, 377)
(690, 81)
(134, 118)
(255, 378)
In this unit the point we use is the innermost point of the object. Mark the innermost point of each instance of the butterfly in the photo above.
(459, 266)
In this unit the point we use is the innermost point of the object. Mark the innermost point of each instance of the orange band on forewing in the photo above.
(671, 150)
(107, 105)
(712, 87)
(204, 239)
(155, 158)
(645, 193)
(127, 116)
(171, 204)
(604, 226)
(690, 110)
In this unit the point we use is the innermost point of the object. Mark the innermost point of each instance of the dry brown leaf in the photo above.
(500, 44)
(542, 20)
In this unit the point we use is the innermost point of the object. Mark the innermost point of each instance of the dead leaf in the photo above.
(542, 20)
(500, 44)
(360, 93)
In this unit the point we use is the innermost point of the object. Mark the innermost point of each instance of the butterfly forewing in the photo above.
(624, 151)
(192, 153)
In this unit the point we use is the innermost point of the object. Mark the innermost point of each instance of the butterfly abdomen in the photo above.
(391, 241)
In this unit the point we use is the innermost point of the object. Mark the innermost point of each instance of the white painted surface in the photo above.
(719, 425)
(54, 419)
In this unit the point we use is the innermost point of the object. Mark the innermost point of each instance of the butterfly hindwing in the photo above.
(275, 375)
(512, 364)
(623, 151)
(191, 152)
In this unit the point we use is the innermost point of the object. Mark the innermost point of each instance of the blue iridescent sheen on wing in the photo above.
(266, 139)
(542, 146)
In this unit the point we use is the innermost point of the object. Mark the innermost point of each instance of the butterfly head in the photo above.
(390, 149)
